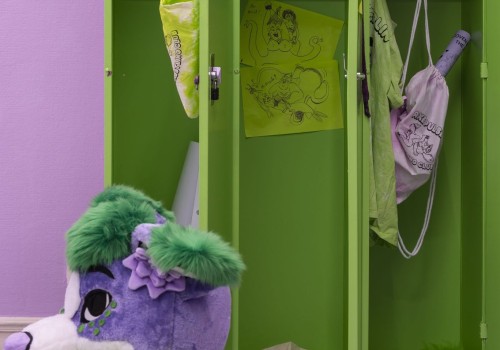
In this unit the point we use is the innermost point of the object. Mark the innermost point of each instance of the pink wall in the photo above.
(51, 142)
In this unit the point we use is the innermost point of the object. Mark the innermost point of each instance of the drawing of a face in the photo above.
(274, 32)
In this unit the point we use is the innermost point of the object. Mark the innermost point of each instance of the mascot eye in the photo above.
(94, 305)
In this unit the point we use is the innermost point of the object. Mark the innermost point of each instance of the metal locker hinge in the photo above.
(484, 70)
(359, 76)
(215, 75)
(483, 330)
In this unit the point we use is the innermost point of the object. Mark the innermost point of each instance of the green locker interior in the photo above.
(282, 199)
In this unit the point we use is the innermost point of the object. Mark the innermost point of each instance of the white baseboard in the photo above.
(9, 325)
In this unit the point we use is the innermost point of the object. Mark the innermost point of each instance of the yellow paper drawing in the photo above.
(288, 98)
(273, 32)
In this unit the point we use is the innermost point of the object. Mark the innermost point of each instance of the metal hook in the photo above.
(359, 76)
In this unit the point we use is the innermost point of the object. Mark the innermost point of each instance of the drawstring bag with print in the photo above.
(417, 131)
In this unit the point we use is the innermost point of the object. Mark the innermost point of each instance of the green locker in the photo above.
(296, 205)
(491, 171)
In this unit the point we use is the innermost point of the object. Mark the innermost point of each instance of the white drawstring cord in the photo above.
(430, 200)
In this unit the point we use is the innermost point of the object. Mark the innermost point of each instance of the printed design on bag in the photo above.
(174, 48)
(418, 142)
(379, 25)
(417, 138)
(294, 94)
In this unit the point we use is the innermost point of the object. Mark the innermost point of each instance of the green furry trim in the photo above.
(202, 254)
(132, 195)
(103, 232)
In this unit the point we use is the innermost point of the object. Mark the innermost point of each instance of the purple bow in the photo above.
(144, 273)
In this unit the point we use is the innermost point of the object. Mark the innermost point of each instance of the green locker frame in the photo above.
(295, 205)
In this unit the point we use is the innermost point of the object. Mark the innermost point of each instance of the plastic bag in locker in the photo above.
(181, 31)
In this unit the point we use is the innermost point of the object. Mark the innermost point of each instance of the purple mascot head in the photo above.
(139, 281)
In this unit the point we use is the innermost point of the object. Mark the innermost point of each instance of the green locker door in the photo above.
(357, 137)
(219, 123)
(491, 202)
(219, 151)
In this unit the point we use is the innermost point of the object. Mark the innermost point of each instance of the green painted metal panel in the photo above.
(219, 125)
(356, 290)
(220, 147)
(204, 88)
(292, 232)
(151, 132)
(472, 173)
(364, 256)
(492, 175)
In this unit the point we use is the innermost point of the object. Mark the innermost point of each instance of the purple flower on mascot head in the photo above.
(139, 281)
(144, 273)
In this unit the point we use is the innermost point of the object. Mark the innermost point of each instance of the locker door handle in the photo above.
(215, 75)
(215, 80)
